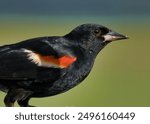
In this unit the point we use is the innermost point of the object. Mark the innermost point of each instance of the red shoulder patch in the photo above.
(62, 62)
(66, 61)
(50, 61)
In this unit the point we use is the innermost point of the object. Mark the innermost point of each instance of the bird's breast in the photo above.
(74, 76)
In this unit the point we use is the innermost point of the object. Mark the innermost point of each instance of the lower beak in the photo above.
(113, 36)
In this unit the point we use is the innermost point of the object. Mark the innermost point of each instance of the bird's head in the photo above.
(93, 37)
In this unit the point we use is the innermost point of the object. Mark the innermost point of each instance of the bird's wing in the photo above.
(41, 58)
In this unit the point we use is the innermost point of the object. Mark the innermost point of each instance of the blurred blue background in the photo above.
(120, 76)
(75, 7)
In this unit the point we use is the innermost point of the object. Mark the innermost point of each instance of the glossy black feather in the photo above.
(23, 79)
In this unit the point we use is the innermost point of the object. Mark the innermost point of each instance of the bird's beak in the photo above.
(113, 36)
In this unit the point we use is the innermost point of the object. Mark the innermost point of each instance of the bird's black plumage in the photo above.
(48, 66)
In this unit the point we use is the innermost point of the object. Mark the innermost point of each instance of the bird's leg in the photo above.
(9, 99)
(24, 103)
(15, 95)
(9, 102)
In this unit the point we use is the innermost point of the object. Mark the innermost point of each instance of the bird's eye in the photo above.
(97, 31)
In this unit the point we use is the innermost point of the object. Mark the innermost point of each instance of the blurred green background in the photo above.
(121, 74)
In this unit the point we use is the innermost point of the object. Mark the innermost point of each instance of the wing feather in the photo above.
(40, 58)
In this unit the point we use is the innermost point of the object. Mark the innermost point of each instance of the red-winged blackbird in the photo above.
(47, 66)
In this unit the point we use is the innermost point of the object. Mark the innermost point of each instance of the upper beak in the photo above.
(113, 36)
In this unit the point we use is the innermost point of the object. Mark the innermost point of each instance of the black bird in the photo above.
(48, 66)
